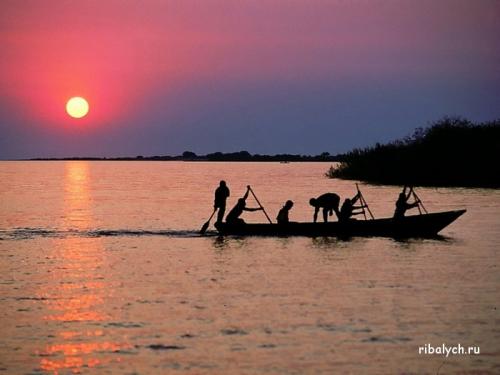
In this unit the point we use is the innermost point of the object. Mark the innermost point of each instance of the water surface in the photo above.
(103, 271)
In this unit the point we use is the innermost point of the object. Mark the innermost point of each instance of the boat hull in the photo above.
(425, 225)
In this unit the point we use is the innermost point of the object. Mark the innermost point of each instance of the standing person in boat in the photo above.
(221, 195)
(282, 217)
(233, 217)
(349, 209)
(329, 202)
(402, 204)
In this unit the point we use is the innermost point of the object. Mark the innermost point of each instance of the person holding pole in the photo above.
(348, 208)
(233, 217)
(402, 204)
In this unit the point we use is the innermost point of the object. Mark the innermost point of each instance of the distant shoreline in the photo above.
(242, 156)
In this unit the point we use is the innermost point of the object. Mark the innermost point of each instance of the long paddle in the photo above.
(361, 200)
(263, 210)
(205, 226)
(364, 204)
(415, 196)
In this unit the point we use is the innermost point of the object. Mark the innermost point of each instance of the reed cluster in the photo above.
(451, 152)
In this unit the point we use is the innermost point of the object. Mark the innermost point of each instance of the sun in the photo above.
(77, 107)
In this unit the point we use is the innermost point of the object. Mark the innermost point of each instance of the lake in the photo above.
(103, 271)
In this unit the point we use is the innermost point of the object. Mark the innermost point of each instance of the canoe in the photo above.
(425, 225)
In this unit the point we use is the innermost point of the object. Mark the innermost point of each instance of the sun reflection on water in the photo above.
(78, 296)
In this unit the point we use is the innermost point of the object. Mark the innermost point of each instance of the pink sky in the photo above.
(145, 63)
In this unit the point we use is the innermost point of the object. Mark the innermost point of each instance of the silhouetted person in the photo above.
(348, 208)
(282, 217)
(329, 202)
(402, 203)
(221, 195)
(233, 217)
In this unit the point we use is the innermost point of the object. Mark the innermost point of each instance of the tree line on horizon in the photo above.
(216, 156)
(451, 152)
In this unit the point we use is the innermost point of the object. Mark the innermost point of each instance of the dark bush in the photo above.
(451, 152)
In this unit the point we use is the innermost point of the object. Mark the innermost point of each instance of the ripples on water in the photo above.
(32, 233)
(103, 270)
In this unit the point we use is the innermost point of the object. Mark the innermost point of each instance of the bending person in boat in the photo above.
(402, 204)
(282, 217)
(233, 217)
(221, 195)
(348, 208)
(329, 202)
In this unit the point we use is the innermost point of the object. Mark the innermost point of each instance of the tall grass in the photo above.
(451, 152)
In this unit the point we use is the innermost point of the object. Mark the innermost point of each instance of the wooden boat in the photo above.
(425, 225)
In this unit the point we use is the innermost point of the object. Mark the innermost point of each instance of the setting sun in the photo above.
(77, 107)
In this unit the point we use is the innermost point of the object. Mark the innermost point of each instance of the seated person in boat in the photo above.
(348, 208)
(329, 202)
(402, 203)
(233, 217)
(282, 217)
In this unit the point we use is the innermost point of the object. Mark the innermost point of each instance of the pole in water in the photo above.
(418, 203)
(205, 226)
(415, 196)
(263, 210)
(361, 200)
(364, 204)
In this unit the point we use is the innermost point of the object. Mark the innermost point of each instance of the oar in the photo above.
(361, 200)
(205, 226)
(265, 213)
(419, 202)
(363, 203)
(367, 207)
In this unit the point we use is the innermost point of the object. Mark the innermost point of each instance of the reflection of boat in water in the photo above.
(425, 225)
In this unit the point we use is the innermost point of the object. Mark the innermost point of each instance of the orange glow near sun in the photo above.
(77, 107)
